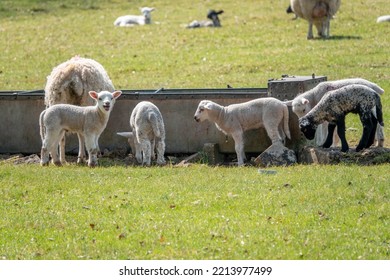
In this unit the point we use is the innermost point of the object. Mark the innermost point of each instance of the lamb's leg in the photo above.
(341, 132)
(90, 143)
(50, 144)
(146, 152)
(153, 144)
(329, 138)
(239, 147)
(62, 149)
(160, 146)
(81, 157)
(371, 138)
(310, 31)
(367, 133)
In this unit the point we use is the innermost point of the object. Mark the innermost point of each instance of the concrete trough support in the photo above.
(20, 113)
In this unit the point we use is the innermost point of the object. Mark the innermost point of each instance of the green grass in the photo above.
(200, 212)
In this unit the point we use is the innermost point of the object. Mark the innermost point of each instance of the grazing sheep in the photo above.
(234, 119)
(213, 22)
(131, 20)
(317, 12)
(69, 83)
(334, 106)
(148, 133)
(304, 102)
(87, 121)
(383, 19)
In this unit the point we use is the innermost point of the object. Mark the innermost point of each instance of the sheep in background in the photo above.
(234, 119)
(317, 12)
(89, 122)
(383, 19)
(148, 133)
(69, 83)
(333, 108)
(213, 22)
(304, 102)
(131, 20)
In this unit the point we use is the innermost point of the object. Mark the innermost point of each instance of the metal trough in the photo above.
(20, 112)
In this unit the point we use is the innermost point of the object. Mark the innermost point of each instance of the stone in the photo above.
(276, 155)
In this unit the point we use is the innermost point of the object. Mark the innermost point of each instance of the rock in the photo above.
(317, 155)
(211, 151)
(276, 155)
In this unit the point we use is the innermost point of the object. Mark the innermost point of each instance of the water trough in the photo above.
(20, 112)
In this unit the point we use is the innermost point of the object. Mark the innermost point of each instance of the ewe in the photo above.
(131, 20)
(317, 12)
(333, 108)
(213, 22)
(234, 119)
(148, 133)
(69, 83)
(304, 102)
(89, 122)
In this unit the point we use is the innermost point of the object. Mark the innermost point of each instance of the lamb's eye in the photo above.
(201, 110)
(100, 98)
(304, 110)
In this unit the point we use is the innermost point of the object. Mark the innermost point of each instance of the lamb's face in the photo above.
(105, 99)
(301, 107)
(307, 128)
(201, 111)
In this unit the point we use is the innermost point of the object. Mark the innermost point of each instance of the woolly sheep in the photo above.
(234, 119)
(131, 20)
(317, 12)
(69, 83)
(213, 22)
(148, 133)
(88, 122)
(385, 18)
(304, 102)
(334, 106)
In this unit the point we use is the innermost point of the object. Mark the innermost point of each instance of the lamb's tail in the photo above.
(42, 128)
(379, 113)
(285, 122)
(157, 125)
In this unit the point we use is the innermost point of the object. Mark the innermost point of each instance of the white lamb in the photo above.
(304, 102)
(234, 119)
(333, 108)
(69, 83)
(148, 133)
(132, 20)
(88, 122)
(317, 12)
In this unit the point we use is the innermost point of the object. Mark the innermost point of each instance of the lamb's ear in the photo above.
(305, 101)
(116, 94)
(208, 106)
(288, 102)
(93, 94)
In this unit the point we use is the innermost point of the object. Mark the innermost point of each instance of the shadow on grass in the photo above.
(340, 37)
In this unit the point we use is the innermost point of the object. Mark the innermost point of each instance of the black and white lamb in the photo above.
(333, 108)
(213, 21)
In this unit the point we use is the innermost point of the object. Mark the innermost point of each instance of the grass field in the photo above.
(198, 212)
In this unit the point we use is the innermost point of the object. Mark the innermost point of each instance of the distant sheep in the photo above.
(69, 83)
(131, 20)
(148, 133)
(213, 22)
(234, 119)
(317, 12)
(333, 108)
(304, 102)
(89, 122)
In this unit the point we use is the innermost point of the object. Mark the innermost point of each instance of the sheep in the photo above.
(148, 133)
(304, 102)
(131, 20)
(213, 22)
(317, 12)
(385, 18)
(234, 119)
(69, 83)
(334, 106)
(290, 11)
(87, 121)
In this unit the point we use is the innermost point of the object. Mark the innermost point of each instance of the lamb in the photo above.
(87, 121)
(304, 102)
(148, 133)
(213, 22)
(131, 20)
(334, 106)
(385, 18)
(69, 83)
(317, 12)
(234, 119)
